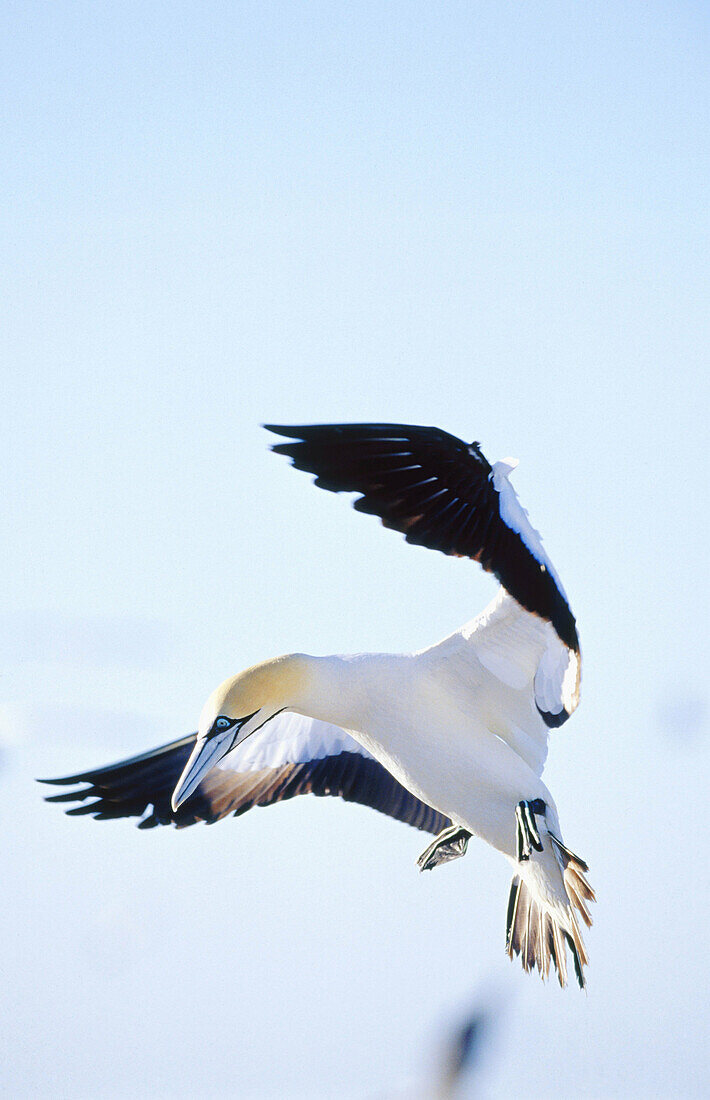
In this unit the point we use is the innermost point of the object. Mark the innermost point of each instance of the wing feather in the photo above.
(519, 670)
(441, 493)
(292, 755)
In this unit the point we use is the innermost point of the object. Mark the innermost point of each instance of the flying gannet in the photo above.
(451, 739)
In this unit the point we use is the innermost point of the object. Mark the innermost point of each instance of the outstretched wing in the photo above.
(442, 493)
(292, 755)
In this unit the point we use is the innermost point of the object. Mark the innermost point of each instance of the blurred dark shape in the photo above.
(683, 716)
(462, 1053)
(456, 1072)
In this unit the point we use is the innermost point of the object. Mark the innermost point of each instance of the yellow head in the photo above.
(236, 709)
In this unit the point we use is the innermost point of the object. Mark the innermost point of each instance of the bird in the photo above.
(451, 739)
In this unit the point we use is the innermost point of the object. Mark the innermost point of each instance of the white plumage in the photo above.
(452, 739)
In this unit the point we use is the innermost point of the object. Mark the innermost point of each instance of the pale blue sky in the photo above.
(488, 216)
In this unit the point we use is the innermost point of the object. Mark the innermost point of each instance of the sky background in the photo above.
(490, 217)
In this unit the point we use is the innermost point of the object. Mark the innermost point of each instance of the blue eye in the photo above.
(222, 723)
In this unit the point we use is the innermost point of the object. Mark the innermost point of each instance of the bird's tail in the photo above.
(541, 932)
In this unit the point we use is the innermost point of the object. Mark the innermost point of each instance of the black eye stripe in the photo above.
(222, 723)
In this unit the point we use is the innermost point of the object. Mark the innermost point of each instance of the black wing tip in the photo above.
(290, 450)
(280, 429)
(304, 432)
(89, 808)
(553, 721)
(129, 787)
(356, 427)
(119, 765)
(65, 780)
(71, 796)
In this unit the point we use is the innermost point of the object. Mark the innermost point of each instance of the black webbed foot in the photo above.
(450, 844)
(528, 835)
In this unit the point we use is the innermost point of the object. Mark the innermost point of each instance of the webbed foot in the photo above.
(449, 844)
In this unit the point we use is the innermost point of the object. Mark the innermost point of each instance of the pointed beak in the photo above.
(207, 752)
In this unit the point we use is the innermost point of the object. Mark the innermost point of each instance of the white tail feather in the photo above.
(540, 932)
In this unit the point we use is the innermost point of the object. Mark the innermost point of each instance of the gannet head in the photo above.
(236, 709)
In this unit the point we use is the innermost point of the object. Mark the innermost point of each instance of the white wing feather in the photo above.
(515, 665)
(290, 738)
